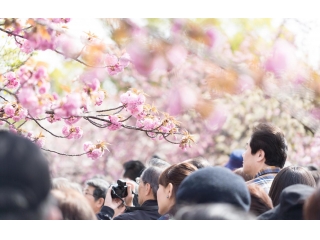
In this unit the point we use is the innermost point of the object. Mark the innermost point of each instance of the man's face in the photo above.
(250, 166)
(141, 191)
(88, 193)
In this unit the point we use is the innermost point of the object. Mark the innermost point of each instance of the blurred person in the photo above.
(133, 169)
(198, 162)
(311, 207)
(158, 162)
(123, 209)
(289, 176)
(95, 190)
(241, 173)
(73, 205)
(213, 185)
(265, 155)
(169, 182)
(235, 159)
(24, 180)
(291, 202)
(316, 175)
(212, 211)
(61, 182)
(260, 200)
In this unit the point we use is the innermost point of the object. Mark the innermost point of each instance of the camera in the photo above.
(119, 190)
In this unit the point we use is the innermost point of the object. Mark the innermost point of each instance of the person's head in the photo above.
(169, 181)
(198, 162)
(289, 176)
(267, 146)
(61, 182)
(133, 169)
(260, 200)
(212, 211)
(235, 160)
(241, 173)
(148, 184)
(24, 179)
(290, 206)
(73, 205)
(311, 207)
(95, 190)
(214, 185)
(316, 175)
(158, 162)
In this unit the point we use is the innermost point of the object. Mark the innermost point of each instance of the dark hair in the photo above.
(260, 200)
(100, 187)
(133, 169)
(271, 140)
(240, 172)
(151, 175)
(73, 205)
(311, 207)
(212, 211)
(198, 162)
(316, 175)
(24, 178)
(289, 176)
(175, 175)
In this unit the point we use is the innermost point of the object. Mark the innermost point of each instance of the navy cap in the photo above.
(235, 160)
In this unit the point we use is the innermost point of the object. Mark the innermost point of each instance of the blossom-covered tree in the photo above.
(164, 78)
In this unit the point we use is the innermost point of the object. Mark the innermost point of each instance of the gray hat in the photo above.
(214, 185)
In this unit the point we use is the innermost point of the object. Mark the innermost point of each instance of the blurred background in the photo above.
(217, 77)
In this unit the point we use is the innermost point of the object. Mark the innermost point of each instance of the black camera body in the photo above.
(119, 190)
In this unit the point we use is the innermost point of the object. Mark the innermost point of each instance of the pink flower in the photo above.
(95, 154)
(72, 120)
(115, 124)
(9, 110)
(40, 141)
(27, 46)
(70, 106)
(12, 81)
(29, 100)
(41, 73)
(100, 96)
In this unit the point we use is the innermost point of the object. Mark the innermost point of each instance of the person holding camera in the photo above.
(118, 203)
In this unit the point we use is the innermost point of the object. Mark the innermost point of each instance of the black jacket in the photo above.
(107, 213)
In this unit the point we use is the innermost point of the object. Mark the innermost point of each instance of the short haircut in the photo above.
(151, 175)
(100, 187)
(271, 140)
(289, 176)
(260, 200)
(133, 169)
(158, 162)
(175, 174)
(198, 162)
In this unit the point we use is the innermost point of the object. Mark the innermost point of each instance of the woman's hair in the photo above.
(241, 173)
(175, 175)
(311, 206)
(61, 182)
(73, 205)
(198, 162)
(288, 176)
(260, 200)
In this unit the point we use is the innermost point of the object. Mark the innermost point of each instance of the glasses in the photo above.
(86, 193)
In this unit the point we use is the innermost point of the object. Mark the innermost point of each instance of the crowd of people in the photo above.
(255, 184)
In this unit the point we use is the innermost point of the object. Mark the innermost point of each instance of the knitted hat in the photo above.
(24, 174)
(235, 160)
(214, 185)
(291, 202)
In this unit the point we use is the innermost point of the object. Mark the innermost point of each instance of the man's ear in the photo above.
(148, 189)
(261, 155)
(100, 202)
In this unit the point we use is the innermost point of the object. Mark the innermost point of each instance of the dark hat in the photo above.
(24, 174)
(214, 185)
(290, 205)
(236, 159)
